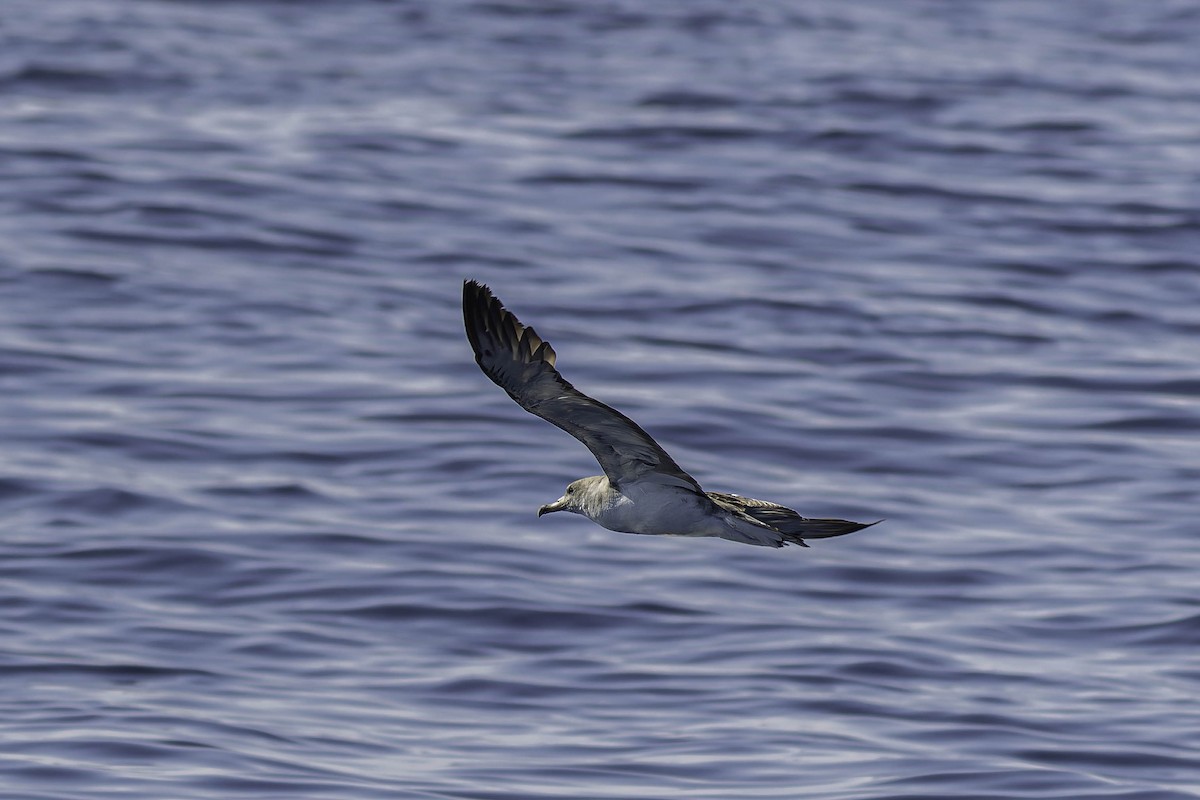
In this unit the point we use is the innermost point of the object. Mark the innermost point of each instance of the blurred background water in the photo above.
(268, 532)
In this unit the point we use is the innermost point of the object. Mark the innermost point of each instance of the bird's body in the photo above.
(649, 508)
(642, 489)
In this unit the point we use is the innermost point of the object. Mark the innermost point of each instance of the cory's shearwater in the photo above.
(642, 489)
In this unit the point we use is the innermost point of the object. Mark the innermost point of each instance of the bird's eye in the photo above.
(570, 490)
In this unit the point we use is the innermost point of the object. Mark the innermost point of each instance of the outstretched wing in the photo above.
(520, 363)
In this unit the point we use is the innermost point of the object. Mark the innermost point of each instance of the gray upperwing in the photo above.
(520, 363)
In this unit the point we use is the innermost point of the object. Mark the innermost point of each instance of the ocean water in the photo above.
(267, 532)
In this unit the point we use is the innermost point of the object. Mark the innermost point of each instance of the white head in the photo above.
(581, 495)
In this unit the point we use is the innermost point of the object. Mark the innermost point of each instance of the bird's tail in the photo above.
(804, 528)
(790, 527)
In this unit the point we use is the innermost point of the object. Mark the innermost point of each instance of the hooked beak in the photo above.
(557, 505)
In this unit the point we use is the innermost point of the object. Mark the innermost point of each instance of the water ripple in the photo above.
(268, 531)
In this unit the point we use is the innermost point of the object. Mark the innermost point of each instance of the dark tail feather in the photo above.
(818, 528)
(792, 526)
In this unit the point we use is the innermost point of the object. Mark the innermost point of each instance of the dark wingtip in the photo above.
(475, 294)
(477, 300)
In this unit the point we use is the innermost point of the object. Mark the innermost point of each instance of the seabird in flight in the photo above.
(642, 489)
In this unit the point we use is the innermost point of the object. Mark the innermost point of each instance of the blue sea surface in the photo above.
(266, 531)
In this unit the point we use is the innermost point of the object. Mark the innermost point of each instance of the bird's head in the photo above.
(579, 495)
